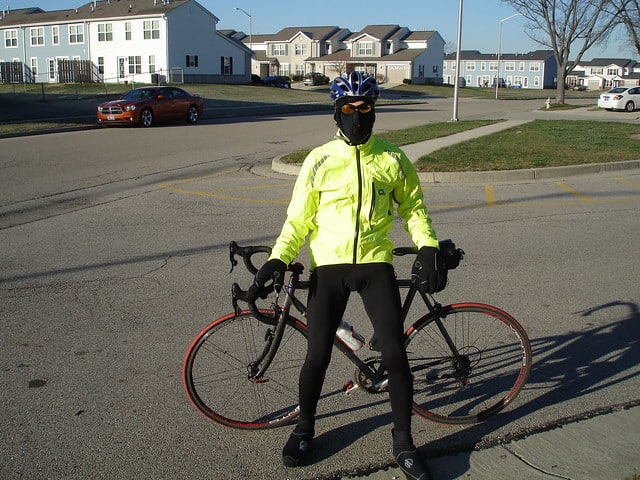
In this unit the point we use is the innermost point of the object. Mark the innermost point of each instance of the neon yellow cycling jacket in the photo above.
(344, 200)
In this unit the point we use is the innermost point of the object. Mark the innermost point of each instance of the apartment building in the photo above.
(536, 69)
(389, 52)
(120, 41)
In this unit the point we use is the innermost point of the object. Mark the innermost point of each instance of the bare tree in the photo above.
(631, 20)
(561, 25)
(339, 66)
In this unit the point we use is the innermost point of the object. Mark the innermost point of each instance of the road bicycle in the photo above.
(468, 360)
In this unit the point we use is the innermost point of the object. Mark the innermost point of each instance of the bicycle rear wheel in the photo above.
(494, 363)
(216, 378)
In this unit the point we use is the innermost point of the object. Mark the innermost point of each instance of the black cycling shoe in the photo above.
(413, 465)
(409, 459)
(297, 447)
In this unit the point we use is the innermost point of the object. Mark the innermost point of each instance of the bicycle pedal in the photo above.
(349, 387)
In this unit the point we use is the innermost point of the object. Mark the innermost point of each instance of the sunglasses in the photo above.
(349, 109)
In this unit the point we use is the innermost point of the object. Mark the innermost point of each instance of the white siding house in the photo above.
(120, 41)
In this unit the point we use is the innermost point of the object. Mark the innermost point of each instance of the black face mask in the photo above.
(357, 127)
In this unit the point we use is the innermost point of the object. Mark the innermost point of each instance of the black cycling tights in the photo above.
(328, 295)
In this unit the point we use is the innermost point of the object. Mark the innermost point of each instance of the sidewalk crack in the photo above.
(535, 467)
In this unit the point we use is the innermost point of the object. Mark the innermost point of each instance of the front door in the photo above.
(123, 65)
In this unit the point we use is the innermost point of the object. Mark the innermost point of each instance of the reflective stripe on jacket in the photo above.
(344, 200)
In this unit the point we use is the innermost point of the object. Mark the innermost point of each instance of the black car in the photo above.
(277, 81)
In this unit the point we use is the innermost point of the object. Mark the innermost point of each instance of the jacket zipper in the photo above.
(357, 229)
(373, 201)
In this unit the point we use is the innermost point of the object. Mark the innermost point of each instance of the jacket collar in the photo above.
(364, 147)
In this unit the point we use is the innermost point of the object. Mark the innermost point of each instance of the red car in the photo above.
(147, 105)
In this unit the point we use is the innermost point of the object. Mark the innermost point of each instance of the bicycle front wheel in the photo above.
(492, 364)
(218, 372)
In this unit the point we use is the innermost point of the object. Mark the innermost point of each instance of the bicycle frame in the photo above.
(377, 376)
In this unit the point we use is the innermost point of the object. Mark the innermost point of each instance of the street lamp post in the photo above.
(456, 87)
(500, 45)
(250, 28)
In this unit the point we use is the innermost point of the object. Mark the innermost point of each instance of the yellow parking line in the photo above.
(628, 182)
(490, 195)
(225, 197)
(571, 190)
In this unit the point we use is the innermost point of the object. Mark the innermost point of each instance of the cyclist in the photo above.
(343, 201)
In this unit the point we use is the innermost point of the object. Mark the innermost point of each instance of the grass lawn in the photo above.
(540, 143)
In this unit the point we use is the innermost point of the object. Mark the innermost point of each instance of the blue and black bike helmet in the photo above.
(355, 84)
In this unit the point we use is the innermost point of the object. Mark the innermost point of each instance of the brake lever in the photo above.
(232, 256)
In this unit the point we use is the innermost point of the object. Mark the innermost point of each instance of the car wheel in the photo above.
(146, 117)
(630, 107)
(192, 114)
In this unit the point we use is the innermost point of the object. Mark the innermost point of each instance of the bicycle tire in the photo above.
(215, 372)
(496, 348)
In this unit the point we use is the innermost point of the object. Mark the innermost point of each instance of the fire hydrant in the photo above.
(548, 103)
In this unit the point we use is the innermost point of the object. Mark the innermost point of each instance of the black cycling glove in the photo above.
(272, 270)
(429, 270)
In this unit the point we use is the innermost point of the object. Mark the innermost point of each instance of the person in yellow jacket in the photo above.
(344, 201)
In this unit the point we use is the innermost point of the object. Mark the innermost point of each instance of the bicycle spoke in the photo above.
(218, 380)
(484, 373)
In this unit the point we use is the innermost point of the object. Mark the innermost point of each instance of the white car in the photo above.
(620, 98)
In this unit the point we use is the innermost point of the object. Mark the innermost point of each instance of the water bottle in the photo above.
(350, 337)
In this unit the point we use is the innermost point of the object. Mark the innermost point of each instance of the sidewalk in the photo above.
(604, 447)
(417, 150)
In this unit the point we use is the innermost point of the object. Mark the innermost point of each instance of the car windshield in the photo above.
(138, 95)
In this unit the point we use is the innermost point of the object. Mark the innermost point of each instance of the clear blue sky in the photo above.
(480, 19)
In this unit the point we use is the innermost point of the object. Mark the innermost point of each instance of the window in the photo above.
(37, 36)
(300, 69)
(55, 35)
(470, 65)
(536, 81)
(101, 65)
(105, 32)
(11, 38)
(421, 70)
(613, 71)
(483, 66)
(389, 47)
(435, 70)
(279, 49)
(493, 66)
(522, 66)
(301, 49)
(365, 48)
(510, 66)
(76, 34)
(597, 71)
(127, 30)
(135, 64)
(34, 66)
(534, 66)
(152, 64)
(151, 29)
(192, 61)
(226, 64)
